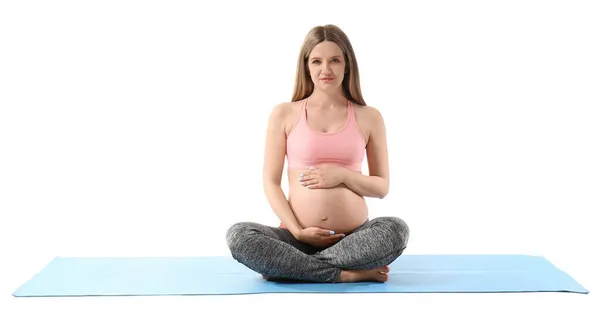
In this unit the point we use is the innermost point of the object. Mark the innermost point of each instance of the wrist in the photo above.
(298, 234)
(296, 230)
(345, 175)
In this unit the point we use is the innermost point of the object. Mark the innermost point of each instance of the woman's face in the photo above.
(326, 65)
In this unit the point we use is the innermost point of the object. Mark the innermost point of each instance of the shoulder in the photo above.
(279, 110)
(285, 114)
(285, 108)
(368, 114)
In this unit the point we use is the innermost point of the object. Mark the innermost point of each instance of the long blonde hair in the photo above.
(351, 83)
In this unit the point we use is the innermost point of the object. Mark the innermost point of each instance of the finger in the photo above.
(310, 183)
(306, 177)
(318, 185)
(305, 181)
(325, 232)
(306, 172)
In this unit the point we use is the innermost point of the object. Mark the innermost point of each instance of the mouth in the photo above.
(326, 79)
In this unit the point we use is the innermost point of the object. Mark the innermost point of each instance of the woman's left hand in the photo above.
(323, 176)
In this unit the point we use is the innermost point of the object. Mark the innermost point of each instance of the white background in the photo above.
(136, 128)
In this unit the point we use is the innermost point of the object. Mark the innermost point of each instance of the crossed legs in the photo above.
(275, 253)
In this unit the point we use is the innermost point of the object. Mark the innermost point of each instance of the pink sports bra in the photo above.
(307, 148)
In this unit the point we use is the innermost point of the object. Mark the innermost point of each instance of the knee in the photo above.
(398, 229)
(236, 234)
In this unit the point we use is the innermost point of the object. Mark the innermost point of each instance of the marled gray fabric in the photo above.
(274, 252)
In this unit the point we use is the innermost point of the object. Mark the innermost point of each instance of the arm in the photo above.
(273, 169)
(377, 183)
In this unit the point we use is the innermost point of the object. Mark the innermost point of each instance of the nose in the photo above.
(326, 68)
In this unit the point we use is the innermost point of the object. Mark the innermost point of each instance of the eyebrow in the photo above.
(336, 56)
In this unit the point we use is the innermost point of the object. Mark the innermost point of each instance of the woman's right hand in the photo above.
(318, 237)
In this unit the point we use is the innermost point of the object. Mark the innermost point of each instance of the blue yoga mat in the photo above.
(223, 275)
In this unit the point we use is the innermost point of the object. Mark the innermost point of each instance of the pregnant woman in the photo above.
(325, 234)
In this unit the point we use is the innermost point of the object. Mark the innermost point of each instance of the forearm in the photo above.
(280, 205)
(365, 185)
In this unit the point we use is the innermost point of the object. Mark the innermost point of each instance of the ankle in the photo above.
(345, 276)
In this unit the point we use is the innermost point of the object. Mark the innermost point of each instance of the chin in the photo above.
(329, 85)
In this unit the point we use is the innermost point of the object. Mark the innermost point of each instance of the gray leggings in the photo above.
(275, 253)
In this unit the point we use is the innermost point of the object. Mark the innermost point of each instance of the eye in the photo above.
(335, 60)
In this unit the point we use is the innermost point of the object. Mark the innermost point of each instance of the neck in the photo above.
(327, 99)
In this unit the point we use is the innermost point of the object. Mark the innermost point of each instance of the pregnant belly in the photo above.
(339, 209)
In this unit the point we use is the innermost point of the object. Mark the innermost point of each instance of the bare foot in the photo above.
(379, 274)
